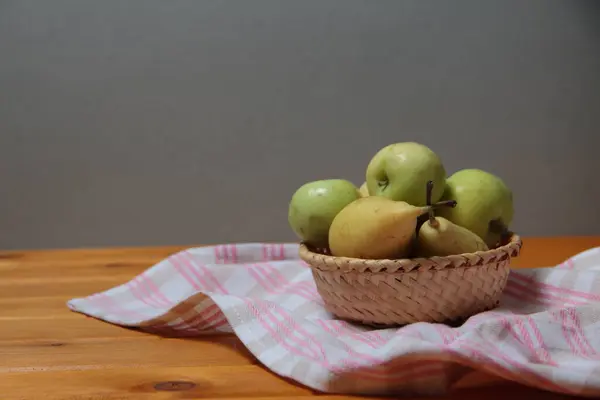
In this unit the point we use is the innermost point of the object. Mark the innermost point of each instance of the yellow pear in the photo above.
(374, 227)
(364, 190)
(440, 237)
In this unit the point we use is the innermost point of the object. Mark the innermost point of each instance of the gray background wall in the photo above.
(183, 122)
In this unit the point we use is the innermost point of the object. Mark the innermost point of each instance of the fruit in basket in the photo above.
(484, 204)
(364, 190)
(400, 171)
(314, 206)
(440, 237)
(375, 227)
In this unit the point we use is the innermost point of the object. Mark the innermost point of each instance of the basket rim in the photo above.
(327, 262)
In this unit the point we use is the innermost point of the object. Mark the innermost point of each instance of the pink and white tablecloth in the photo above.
(545, 334)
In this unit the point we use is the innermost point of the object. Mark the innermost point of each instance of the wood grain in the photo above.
(147, 351)
(25, 307)
(47, 351)
(210, 381)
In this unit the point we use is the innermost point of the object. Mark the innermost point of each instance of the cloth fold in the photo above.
(545, 334)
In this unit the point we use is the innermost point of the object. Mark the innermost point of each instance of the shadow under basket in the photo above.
(404, 291)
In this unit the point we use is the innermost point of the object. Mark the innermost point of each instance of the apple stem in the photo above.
(383, 184)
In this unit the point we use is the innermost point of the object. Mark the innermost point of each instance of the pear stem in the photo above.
(445, 203)
(432, 207)
(429, 192)
(430, 213)
(432, 221)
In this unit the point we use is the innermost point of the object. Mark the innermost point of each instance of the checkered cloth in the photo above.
(545, 334)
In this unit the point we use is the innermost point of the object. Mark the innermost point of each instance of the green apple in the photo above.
(314, 206)
(484, 204)
(400, 172)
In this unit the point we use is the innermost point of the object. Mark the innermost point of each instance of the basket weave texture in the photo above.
(404, 291)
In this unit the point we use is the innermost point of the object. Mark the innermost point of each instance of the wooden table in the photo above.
(48, 352)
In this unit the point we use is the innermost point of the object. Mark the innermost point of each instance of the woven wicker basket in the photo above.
(398, 292)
